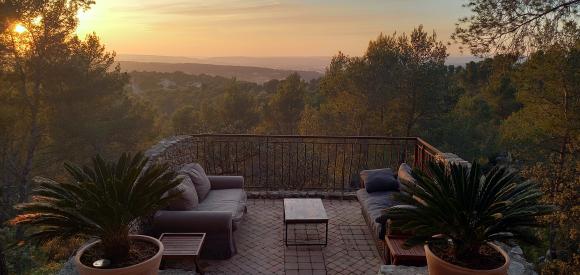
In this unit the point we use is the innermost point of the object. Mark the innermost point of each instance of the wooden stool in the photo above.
(183, 246)
(398, 255)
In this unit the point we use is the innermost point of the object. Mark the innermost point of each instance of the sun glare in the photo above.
(19, 28)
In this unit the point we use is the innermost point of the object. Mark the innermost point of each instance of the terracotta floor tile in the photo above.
(261, 249)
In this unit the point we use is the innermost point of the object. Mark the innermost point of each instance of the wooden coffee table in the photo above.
(398, 255)
(304, 211)
(183, 245)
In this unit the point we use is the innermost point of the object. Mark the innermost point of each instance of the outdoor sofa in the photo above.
(216, 207)
(376, 199)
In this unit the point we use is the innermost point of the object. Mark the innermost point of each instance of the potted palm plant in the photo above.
(458, 213)
(102, 202)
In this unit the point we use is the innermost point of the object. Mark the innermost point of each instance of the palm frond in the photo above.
(102, 200)
(469, 207)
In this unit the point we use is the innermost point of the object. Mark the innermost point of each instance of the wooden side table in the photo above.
(398, 255)
(183, 246)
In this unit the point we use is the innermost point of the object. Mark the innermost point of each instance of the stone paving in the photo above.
(261, 249)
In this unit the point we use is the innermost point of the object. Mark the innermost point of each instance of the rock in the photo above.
(516, 268)
(516, 250)
(68, 268)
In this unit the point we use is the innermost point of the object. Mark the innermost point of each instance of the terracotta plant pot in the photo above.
(148, 267)
(437, 266)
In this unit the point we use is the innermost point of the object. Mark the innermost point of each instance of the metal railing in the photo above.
(323, 163)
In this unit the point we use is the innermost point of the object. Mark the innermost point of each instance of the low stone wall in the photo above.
(173, 150)
(450, 158)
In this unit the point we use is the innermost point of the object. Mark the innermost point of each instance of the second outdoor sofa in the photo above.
(374, 203)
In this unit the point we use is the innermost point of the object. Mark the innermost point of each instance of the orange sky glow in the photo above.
(261, 27)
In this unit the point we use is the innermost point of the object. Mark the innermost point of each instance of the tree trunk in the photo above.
(412, 111)
(3, 268)
(559, 179)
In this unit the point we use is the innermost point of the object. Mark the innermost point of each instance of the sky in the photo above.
(261, 28)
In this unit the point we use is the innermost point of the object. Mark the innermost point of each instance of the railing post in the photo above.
(416, 157)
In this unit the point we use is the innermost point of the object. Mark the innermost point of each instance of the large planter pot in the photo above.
(437, 266)
(148, 267)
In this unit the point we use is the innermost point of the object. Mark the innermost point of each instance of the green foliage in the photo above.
(545, 133)
(481, 97)
(61, 98)
(468, 207)
(560, 182)
(549, 88)
(498, 26)
(283, 112)
(185, 120)
(95, 93)
(236, 110)
(398, 85)
(101, 201)
(470, 129)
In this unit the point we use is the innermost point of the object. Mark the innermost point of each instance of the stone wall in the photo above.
(174, 150)
(450, 158)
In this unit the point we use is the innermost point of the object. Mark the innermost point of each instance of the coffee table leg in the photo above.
(326, 237)
(286, 234)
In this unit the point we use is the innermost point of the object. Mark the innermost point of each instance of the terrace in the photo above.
(276, 167)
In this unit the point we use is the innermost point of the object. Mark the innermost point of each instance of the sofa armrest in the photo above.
(226, 182)
(192, 221)
(361, 182)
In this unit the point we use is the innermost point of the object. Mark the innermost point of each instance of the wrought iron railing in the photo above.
(323, 163)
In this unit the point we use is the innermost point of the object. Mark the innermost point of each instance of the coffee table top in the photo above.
(304, 211)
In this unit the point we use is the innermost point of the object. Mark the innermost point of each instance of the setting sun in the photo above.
(19, 28)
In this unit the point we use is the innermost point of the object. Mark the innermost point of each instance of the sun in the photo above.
(18, 28)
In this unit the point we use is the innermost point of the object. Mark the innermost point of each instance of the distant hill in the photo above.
(247, 73)
(460, 60)
(300, 63)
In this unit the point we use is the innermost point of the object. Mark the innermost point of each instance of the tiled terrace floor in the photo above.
(261, 249)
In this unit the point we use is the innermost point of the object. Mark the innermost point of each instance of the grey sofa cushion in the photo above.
(185, 195)
(228, 200)
(373, 206)
(199, 179)
(379, 180)
(405, 177)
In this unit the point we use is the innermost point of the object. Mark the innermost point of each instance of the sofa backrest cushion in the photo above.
(185, 196)
(379, 180)
(405, 177)
(199, 179)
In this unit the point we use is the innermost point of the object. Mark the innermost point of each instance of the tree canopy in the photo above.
(519, 26)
